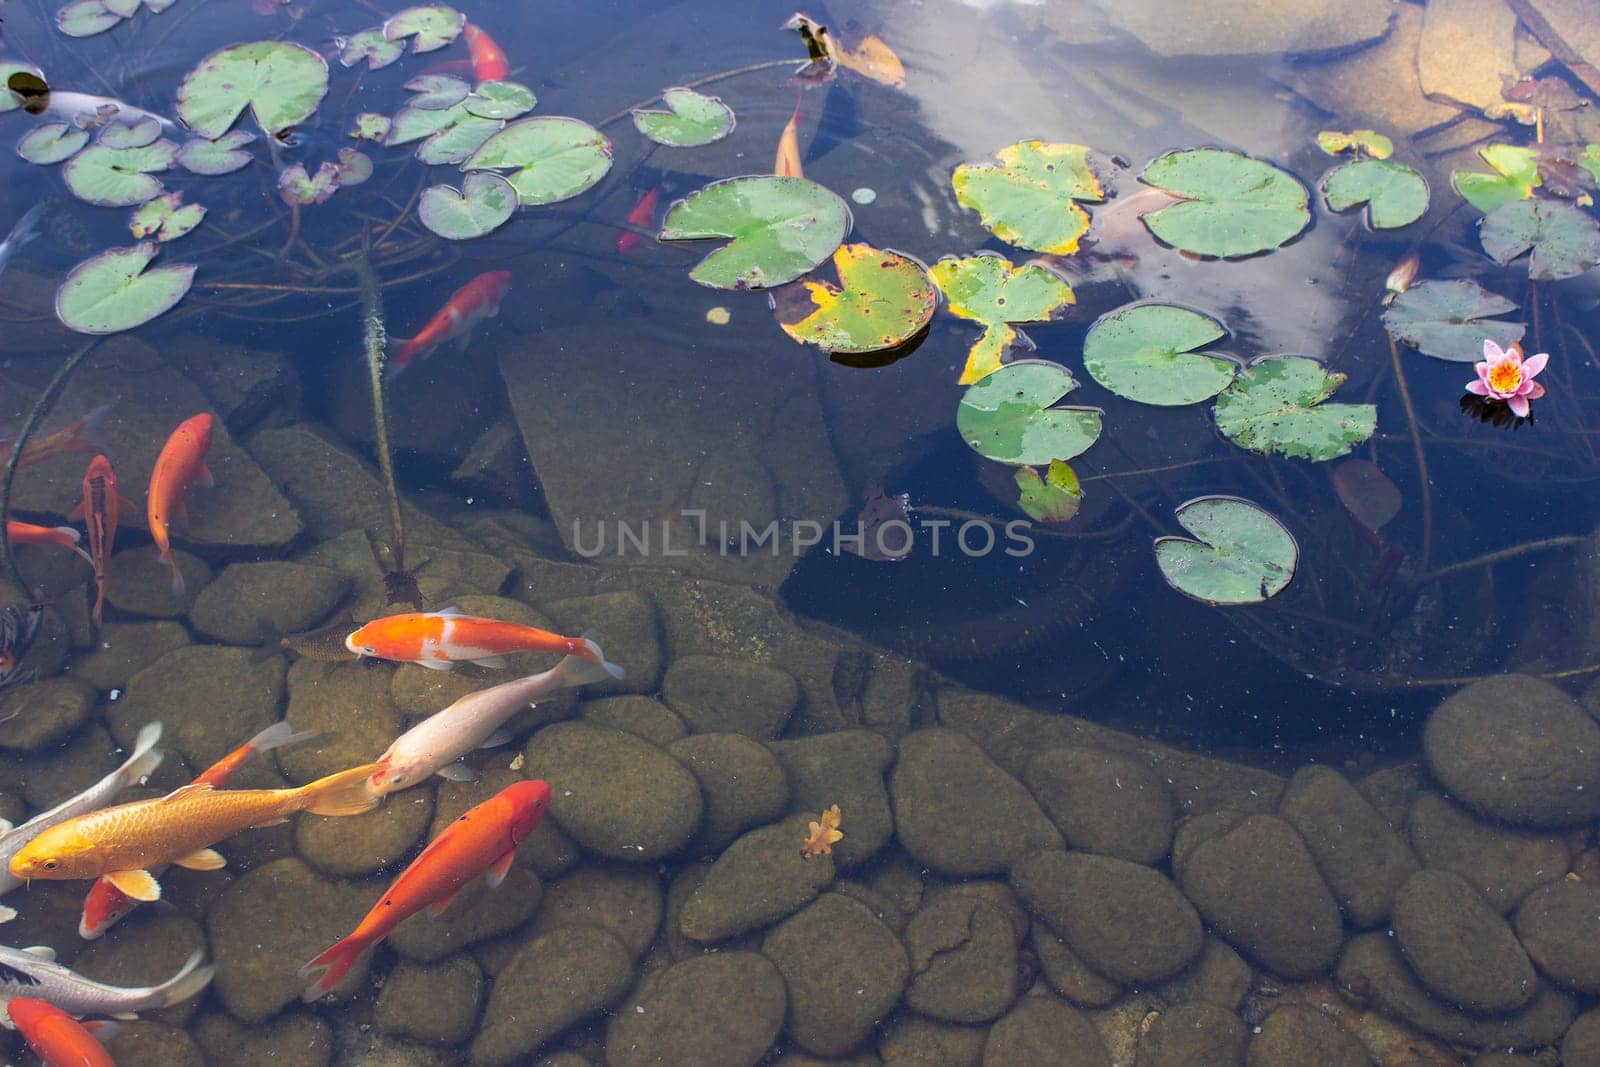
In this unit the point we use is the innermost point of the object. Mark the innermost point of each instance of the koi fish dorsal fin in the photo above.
(140, 885)
(41, 952)
(203, 477)
(187, 791)
(451, 610)
(205, 859)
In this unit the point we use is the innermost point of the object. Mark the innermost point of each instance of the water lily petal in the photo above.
(1518, 406)
(1483, 371)
(1492, 351)
(1478, 387)
(1533, 391)
(1534, 364)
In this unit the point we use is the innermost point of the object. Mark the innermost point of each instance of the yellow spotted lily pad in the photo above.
(989, 290)
(882, 299)
(1056, 497)
(1031, 198)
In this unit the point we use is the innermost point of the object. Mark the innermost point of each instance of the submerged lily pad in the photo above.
(370, 45)
(370, 126)
(1516, 174)
(1395, 194)
(1054, 498)
(988, 289)
(1231, 206)
(297, 187)
(484, 202)
(1450, 319)
(780, 228)
(1564, 239)
(1145, 352)
(500, 100)
(222, 156)
(166, 218)
(114, 292)
(1366, 493)
(282, 84)
(430, 27)
(118, 177)
(1030, 199)
(137, 134)
(550, 158)
(1242, 555)
(10, 99)
(1009, 417)
(882, 299)
(435, 92)
(1276, 405)
(1370, 143)
(85, 18)
(354, 167)
(52, 142)
(691, 119)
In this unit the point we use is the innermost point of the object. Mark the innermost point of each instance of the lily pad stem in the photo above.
(1421, 454)
(377, 342)
(1502, 555)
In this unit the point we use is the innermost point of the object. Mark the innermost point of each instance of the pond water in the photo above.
(1319, 787)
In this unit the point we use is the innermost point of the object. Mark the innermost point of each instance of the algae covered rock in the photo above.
(625, 900)
(1304, 1036)
(152, 1044)
(761, 877)
(720, 1010)
(348, 705)
(138, 583)
(741, 780)
(208, 698)
(637, 715)
(1459, 947)
(963, 960)
(715, 694)
(248, 602)
(1191, 1034)
(1104, 802)
(436, 1004)
(1557, 926)
(42, 713)
(1503, 864)
(554, 981)
(843, 767)
(123, 649)
(625, 625)
(1041, 1030)
(1361, 857)
(357, 845)
(261, 1044)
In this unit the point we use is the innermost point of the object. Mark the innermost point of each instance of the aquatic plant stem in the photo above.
(377, 341)
(1502, 555)
(709, 79)
(1421, 454)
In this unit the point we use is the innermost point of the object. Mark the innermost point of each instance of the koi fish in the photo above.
(35, 973)
(787, 165)
(439, 640)
(101, 506)
(106, 905)
(479, 299)
(18, 628)
(56, 1037)
(435, 744)
(86, 111)
(125, 841)
(26, 229)
(485, 838)
(181, 464)
(79, 436)
(488, 61)
(26, 533)
(643, 216)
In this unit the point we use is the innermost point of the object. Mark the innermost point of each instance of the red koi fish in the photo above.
(181, 464)
(57, 1038)
(485, 838)
(488, 61)
(102, 504)
(787, 163)
(106, 905)
(26, 533)
(479, 299)
(643, 216)
(79, 436)
(441, 639)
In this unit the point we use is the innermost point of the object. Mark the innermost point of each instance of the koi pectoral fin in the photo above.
(203, 477)
(438, 907)
(501, 868)
(206, 859)
(140, 885)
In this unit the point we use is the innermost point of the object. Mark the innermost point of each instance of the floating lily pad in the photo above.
(1242, 555)
(449, 135)
(370, 126)
(1054, 498)
(882, 299)
(1030, 199)
(483, 204)
(298, 187)
(166, 218)
(222, 156)
(118, 177)
(1276, 405)
(780, 228)
(136, 134)
(10, 100)
(354, 167)
(1145, 352)
(430, 27)
(1516, 173)
(281, 83)
(551, 158)
(52, 142)
(370, 45)
(1395, 194)
(691, 119)
(85, 18)
(500, 100)
(435, 92)
(1370, 143)
(1231, 206)
(1009, 417)
(988, 289)
(1564, 239)
(1450, 319)
(114, 292)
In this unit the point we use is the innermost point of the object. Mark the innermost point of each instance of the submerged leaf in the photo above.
(882, 299)
(1009, 417)
(550, 158)
(1395, 194)
(1054, 498)
(1276, 405)
(483, 204)
(1370, 143)
(1366, 493)
(1232, 205)
(118, 177)
(282, 84)
(296, 187)
(166, 218)
(779, 228)
(51, 142)
(1242, 556)
(370, 126)
(1030, 199)
(370, 45)
(1450, 319)
(114, 292)
(691, 119)
(1145, 352)
(988, 289)
(354, 167)
(430, 26)
(1564, 239)
(221, 156)
(1516, 174)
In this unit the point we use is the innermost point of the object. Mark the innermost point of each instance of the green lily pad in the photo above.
(415, 123)
(1231, 206)
(988, 289)
(483, 204)
(1008, 416)
(354, 167)
(1450, 319)
(1395, 194)
(1276, 405)
(780, 228)
(691, 119)
(1369, 143)
(120, 134)
(85, 18)
(1564, 239)
(370, 126)
(52, 142)
(10, 100)
(882, 299)
(430, 27)
(435, 92)
(448, 136)
(1242, 555)
(1054, 498)
(166, 218)
(1145, 352)
(114, 292)
(222, 156)
(551, 158)
(370, 45)
(1030, 199)
(281, 83)
(500, 100)
(1516, 174)
(118, 177)
(298, 187)
(1589, 160)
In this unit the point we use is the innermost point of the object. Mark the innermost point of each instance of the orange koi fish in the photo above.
(79, 436)
(106, 905)
(488, 61)
(182, 463)
(441, 639)
(26, 533)
(787, 164)
(102, 504)
(485, 838)
(479, 299)
(57, 1038)
(643, 216)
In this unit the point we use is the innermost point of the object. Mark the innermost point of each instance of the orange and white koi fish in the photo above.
(485, 838)
(106, 905)
(787, 164)
(488, 61)
(181, 464)
(643, 216)
(26, 533)
(441, 639)
(101, 506)
(36, 972)
(57, 1038)
(479, 299)
(79, 436)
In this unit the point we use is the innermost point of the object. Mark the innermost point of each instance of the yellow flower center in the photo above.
(1504, 377)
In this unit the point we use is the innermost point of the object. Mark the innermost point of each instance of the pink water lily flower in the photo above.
(1505, 375)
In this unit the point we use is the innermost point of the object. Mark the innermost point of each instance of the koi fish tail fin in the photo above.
(27, 227)
(145, 757)
(86, 432)
(586, 665)
(346, 793)
(400, 356)
(75, 537)
(178, 586)
(331, 967)
(187, 983)
(278, 735)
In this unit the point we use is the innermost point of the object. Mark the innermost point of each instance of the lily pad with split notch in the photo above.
(1369, 143)
(1240, 555)
(114, 291)
(690, 120)
(482, 205)
(1451, 319)
(1230, 205)
(430, 26)
(1277, 404)
(280, 82)
(1054, 498)
(500, 100)
(1010, 416)
(1395, 194)
(448, 135)
(166, 218)
(1516, 175)
(118, 177)
(295, 186)
(354, 167)
(1145, 353)
(370, 45)
(1564, 239)
(435, 92)
(51, 142)
(136, 134)
(779, 228)
(882, 299)
(221, 156)
(988, 289)
(85, 18)
(550, 158)
(1031, 198)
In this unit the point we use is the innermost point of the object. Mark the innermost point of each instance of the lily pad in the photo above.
(51, 142)
(10, 100)
(370, 126)
(298, 187)
(354, 167)
(85, 18)
(114, 292)
(282, 84)
(483, 204)
(882, 299)
(1231, 206)
(1516, 174)
(1366, 493)
(222, 156)
(988, 289)
(691, 119)
(1145, 353)
(1242, 555)
(370, 45)
(1369, 143)
(166, 218)
(137, 134)
(1054, 498)
(500, 100)
(118, 177)
(1564, 239)
(430, 27)
(449, 135)
(1450, 319)
(554, 158)
(1030, 199)
(1008, 416)
(1276, 405)
(1395, 194)
(435, 92)
(780, 228)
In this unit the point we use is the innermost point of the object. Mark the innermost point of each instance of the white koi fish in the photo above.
(86, 110)
(34, 972)
(26, 229)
